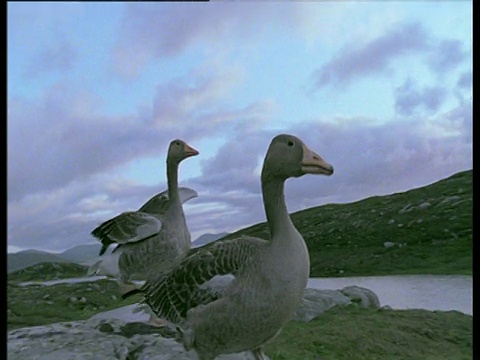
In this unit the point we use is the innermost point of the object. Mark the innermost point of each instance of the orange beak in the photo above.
(189, 151)
(312, 163)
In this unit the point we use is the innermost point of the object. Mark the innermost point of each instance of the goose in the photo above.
(258, 283)
(152, 238)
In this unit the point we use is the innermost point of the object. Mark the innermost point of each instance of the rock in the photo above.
(388, 244)
(317, 301)
(98, 340)
(407, 208)
(424, 205)
(450, 199)
(391, 221)
(362, 296)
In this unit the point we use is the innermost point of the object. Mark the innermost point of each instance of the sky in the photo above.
(97, 90)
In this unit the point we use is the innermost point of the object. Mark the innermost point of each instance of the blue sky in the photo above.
(96, 91)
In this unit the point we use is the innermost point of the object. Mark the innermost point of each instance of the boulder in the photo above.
(362, 296)
(316, 302)
(95, 339)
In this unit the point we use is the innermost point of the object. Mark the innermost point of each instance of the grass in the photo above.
(40, 305)
(356, 333)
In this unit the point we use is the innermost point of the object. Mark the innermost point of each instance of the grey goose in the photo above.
(151, 239)
(236, 295)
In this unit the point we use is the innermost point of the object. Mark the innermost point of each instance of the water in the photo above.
(71, 281)
(430, 292)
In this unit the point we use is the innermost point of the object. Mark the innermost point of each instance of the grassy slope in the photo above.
(39, 305)
(27, 258)
(434, 222)
(354, 333)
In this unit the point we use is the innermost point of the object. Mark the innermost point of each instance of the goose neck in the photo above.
(172, 180)
(278, 219)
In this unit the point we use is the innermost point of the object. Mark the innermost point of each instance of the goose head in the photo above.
(180, 150)
(288, 156)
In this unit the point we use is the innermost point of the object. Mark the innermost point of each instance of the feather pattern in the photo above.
(170, 297)
(133, 226)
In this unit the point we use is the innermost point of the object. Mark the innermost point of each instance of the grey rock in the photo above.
(362, 296)
(424, 205)
(407, 208)
(388, 244)
(316, 302)
(100, 339)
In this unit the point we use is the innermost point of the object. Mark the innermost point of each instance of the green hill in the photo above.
(46, 271)
(429, 228)
(23, 259)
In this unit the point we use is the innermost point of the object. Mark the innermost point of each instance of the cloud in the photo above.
(409, 98)
(63, 136)
(201, 91)
(59, 57)
(59, 139)
(465, 80)
(166, 30)
(447, 55)
(355, 61)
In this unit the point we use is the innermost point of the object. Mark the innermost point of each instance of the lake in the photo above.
(430, 292)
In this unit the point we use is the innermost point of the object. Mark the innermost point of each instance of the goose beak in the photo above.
(189, 151)
(312, 163)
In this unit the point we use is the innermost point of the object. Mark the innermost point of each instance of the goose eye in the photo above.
(177, 143)
(290, 143)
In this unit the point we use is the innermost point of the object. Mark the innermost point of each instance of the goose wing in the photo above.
(128, 227)
(200, 278)
(132, 226)
(158, 204)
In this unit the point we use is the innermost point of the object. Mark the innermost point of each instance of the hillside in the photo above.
(47, 271)
(83, 253)
(430, 229)
(23, 259)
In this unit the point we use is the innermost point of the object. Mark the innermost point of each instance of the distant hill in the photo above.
(45, 271)
(23, 259)
(80, 254)
(206, 238)
(83, 253)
